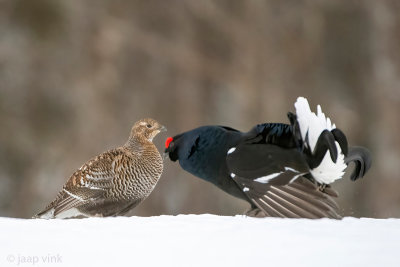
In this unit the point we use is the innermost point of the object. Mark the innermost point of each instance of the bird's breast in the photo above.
(138, 175)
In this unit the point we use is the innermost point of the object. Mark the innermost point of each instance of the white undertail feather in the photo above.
(328, 171)
(70, 213)
(48, 215)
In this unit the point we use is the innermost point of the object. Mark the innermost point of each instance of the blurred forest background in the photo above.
(75, 75)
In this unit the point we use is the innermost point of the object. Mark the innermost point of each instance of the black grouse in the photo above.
(282, 170)
(115, 181)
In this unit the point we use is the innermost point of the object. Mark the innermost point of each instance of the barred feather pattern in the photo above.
(134, 174)
(112, 183)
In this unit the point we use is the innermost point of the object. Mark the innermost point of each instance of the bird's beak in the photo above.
(162, 129)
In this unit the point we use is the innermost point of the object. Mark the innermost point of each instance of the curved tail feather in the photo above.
(320, 137)
(362, 160)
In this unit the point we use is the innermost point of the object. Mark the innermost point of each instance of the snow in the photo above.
(199, 240)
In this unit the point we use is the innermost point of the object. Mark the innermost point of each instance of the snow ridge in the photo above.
(200, 240)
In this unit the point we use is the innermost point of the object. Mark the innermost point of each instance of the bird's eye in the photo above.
(148, 125)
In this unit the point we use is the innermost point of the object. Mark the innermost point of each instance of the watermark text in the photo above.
(25, 260)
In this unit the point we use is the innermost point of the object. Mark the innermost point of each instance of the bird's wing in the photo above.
(272, 178)
(88, 183)
(279, 134)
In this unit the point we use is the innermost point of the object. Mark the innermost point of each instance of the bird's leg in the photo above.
(322, 187)
(327, 189)
(255, 212)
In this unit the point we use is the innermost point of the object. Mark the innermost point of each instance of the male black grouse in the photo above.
(282, 170)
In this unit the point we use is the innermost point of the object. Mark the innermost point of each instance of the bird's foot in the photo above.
(255, 212)
(329, 191)
(322, 187)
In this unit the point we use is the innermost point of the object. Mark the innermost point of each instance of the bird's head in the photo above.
(188, 145)
(172, 148)
(147, 128)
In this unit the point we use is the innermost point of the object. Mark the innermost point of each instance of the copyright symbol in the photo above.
(10, 258)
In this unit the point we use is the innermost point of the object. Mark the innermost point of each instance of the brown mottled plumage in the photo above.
(115, 181)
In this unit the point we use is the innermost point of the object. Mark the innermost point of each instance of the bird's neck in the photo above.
(137, 143)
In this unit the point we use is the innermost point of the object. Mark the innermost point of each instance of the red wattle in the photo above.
(168, 141)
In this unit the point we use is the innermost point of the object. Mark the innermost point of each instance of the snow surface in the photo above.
(199, 240)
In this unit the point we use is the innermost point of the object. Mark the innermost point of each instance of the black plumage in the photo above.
(268, 166)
